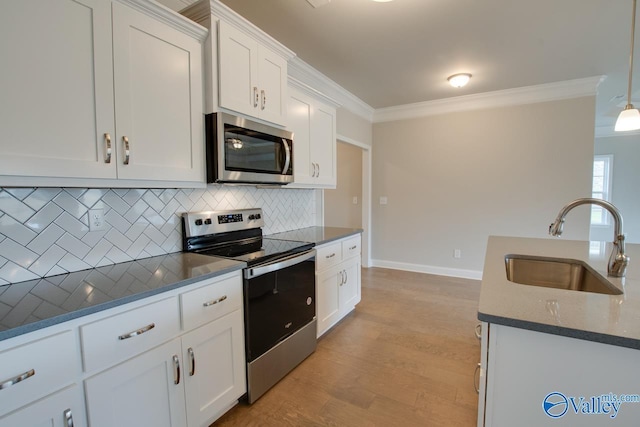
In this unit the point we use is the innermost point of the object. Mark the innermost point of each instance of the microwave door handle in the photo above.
(287, 154)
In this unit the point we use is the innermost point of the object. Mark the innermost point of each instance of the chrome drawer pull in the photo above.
(137, 332)
(68, 418)
(176, 370)
(352, 248)
(16, 380)
(192, 359)
(330, 256)
(214, 301)
(107, 141)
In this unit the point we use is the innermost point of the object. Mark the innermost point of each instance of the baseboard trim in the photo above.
(429, 269)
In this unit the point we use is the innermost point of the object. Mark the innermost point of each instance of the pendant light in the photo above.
(629, 118)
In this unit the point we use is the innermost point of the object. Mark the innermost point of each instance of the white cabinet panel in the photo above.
(140, 392)
(313, 124)
(57, 88)
(214, 368)
(273, 86)
(62, 409)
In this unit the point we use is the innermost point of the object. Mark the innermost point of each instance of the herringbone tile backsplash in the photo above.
(44, 231)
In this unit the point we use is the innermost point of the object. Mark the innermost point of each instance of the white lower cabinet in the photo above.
(338, 281)
(62, 409)
(173, 359)
(531, 378)
(214, 368)
(147, 390)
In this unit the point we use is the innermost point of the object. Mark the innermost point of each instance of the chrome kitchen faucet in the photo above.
(618, 260)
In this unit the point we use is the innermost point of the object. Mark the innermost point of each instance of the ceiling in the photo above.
(401, 52)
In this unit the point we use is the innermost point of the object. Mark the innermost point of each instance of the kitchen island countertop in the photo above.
(317, 235)
(39, 303)
(609, 319)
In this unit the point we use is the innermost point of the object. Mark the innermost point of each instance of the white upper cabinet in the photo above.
(313, 123)
(84, 79)
(246, 69)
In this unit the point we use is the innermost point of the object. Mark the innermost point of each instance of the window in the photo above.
(601, 189)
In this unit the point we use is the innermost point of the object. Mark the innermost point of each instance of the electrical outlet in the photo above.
(383, 200)
(96, 219)
(457, 253)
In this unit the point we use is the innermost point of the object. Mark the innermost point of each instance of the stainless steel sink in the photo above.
(557, 273)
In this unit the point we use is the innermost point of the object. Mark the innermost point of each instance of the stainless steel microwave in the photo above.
(246, 152)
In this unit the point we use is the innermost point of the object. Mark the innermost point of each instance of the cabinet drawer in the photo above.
(124, 335)
(328, 256)
(351, 247)
(210, 302)
(37, 369)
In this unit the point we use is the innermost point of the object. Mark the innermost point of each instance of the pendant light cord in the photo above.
(633, 31)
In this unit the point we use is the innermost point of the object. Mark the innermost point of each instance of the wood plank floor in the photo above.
(405, 357)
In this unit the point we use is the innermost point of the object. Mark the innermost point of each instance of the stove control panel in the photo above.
(214, 222)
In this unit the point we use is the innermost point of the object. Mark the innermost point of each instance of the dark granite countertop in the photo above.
(36, 304)
(317, 235)
(608, 319)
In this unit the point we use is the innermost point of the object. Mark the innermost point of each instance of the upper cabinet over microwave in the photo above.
(246, 69)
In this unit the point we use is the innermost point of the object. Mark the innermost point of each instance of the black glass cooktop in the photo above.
(258, 251)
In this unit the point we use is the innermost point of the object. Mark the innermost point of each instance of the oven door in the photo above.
(279, 300)
(247, 152)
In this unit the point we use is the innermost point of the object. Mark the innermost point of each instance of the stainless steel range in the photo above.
(279, 290)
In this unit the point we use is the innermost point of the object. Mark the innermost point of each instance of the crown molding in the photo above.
(502, 98)
(168, 17)
(309, 76)
(202, 12)
(308, 90)
(608, 132)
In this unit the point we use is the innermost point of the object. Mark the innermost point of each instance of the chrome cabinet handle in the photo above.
(341, 278)
(255, 96)
(125, 142)
(176, 370)
(479, 331)
(137, 332)
(287, 153)
(346, 277)
(8, 383)
(107, 143)
(214, 301)
(316, 170)
(318, 174)
(68, 417)
(192, 361)
(330, 256)
(476, 379)
(264, 99)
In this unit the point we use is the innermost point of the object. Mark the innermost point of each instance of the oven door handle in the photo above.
(250, 273)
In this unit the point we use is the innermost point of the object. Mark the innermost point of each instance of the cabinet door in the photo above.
(57, 88)
(327, 298)
(63, 408)
(272, 70)
(214, 368)
(140, 391)
(323, 144)
(349, 292)
(238, 70)
(158, 94)
(299, 119)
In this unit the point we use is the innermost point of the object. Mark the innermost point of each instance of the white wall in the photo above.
(353, 127)
(625, 183)
(339, 209)
(452, 180)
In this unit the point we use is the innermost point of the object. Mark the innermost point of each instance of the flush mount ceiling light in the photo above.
(629, 118)
(459, 80)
